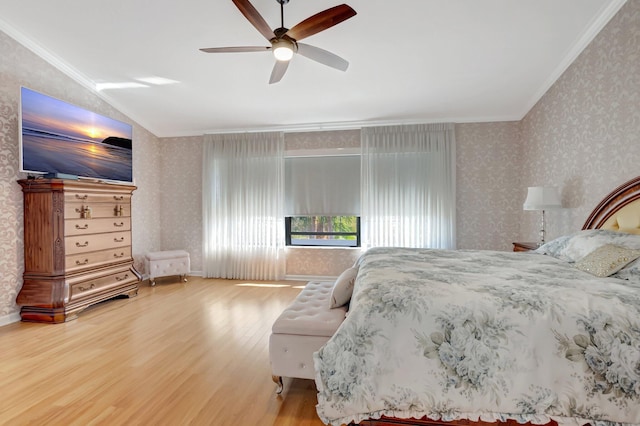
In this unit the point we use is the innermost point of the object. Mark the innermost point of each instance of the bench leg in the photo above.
(278, 382)
(184, 277)
(153, 282)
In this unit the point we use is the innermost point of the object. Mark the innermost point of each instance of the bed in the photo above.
(468, 337)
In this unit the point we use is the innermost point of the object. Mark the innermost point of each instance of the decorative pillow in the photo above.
(607, 260)
(343, 288)
(574, 247)
(630, 272)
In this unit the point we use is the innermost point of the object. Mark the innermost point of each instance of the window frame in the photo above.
(289, 233)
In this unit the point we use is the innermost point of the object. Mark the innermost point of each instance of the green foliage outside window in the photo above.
(325, 224)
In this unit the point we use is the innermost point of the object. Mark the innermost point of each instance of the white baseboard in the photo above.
(309, 278)
(8, 319)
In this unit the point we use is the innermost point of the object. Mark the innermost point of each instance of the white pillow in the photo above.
(572, 248)
(343, 287)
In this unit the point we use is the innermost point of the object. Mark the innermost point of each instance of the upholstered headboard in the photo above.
(618, 211)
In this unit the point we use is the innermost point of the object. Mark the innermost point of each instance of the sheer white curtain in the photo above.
(408, 186)
(243, 219)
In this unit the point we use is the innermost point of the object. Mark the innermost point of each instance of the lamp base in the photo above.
(542, 232)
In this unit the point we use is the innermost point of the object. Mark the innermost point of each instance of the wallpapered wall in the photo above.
(489, 194)
(583, 136)
(21, 67)
(181, 199)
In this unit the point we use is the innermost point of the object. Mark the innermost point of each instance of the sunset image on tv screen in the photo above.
(61, 138)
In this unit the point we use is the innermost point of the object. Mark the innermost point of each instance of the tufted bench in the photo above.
(167, 263)
(300, 330)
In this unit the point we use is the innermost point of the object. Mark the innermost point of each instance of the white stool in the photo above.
(167, 263)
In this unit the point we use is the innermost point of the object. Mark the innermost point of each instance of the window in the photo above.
(322, 201)
(340, 231)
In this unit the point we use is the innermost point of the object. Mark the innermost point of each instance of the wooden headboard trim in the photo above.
(612, 203)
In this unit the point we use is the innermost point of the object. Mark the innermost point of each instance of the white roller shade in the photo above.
(322, 186)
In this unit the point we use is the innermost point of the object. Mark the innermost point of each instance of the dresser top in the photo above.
(48, 185)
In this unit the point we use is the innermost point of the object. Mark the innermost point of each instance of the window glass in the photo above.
(340, 231)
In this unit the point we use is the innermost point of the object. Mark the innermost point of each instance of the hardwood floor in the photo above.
(191, 353)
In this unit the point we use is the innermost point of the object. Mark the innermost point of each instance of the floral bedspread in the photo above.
(483, 335)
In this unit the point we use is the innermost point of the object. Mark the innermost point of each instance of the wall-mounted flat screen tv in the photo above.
(60, 139)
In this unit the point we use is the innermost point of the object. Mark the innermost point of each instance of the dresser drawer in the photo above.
(96, 226)
(74, 210)
(90, 243)
(78, 262)
(89, 197)
(89, 285)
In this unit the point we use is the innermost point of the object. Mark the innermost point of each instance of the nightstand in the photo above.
(525, 246)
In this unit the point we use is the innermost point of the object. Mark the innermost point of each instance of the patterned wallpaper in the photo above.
(489, 193)
(21, 67)
(181, 197)
(146, 211)
(322, 140)
(582, 136)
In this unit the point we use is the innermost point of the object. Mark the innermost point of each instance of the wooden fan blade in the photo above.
(323, 56)
(253, 16)
(321, 21)
(236, 49)
(278, 71)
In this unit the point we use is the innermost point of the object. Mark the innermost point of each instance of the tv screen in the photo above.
(58, 138)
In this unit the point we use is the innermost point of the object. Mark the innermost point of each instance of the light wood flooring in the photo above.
(192, 353)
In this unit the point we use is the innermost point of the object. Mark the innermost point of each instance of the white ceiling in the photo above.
(410, 60)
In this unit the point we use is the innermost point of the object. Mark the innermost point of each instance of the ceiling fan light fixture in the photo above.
(283, 50)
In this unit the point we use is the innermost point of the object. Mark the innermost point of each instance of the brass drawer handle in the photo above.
(86, 243)
(83, 262)
(83, 197)
(123, 278)
(120, 198)
(92, 286)
(118, 224)
(118, 256)
(85, 212)
(118, 240)
(86, 226)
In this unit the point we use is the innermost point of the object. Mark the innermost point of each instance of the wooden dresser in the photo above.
(77, 247)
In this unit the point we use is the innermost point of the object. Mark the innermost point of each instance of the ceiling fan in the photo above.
(285, 42)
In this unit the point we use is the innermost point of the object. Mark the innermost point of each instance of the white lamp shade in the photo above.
(542, 198)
